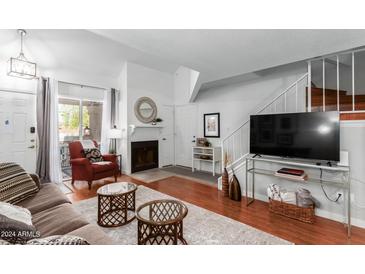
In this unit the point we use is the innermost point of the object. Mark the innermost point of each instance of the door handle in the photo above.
(164, 139)
(193, 141)
(31, 147)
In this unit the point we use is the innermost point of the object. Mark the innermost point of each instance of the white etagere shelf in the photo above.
(206, 154)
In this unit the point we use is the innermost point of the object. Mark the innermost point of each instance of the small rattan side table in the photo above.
(161, 222)
(116, 204)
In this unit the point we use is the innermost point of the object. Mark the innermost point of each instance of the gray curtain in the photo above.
(113, 108)
(43, 128)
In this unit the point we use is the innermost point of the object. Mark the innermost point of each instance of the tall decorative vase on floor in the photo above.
(234, 189)
(225, 183)
(225, 179)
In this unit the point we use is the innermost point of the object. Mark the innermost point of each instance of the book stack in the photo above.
(290, 173)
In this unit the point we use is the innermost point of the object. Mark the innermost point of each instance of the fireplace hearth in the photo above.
(144, 155)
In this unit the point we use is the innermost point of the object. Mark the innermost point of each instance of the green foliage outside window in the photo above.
(70, 116)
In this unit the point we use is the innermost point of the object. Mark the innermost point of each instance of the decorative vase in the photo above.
(225, 183)
(234, 189)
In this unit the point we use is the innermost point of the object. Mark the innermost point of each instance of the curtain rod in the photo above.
(81, 85)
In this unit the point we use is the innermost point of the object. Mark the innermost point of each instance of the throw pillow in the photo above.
(16, 232)
(16, 224)
(15, 183)
(59, 240)
(93, 154)
(16, 213)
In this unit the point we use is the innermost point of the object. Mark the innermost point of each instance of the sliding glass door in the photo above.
(91, 120)
(78, 119)
(69, 120)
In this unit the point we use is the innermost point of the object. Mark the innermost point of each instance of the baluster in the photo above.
(353, 82)
(243, 141)
(240, 142)
(248, 139)
(223, 152)
(324, 85)
(338, 82)
(233, 147)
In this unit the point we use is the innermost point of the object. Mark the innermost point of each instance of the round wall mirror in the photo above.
(145, 110)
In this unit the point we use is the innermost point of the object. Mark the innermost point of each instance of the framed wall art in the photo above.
(212, 125)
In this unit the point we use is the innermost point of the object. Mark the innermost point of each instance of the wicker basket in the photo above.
(304, 214)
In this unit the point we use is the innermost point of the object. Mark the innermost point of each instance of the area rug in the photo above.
(157, 174)
(201, 226)
(197, 175)
(151, 175)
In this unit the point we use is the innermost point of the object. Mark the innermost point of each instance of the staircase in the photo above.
(301, 96)
(333, 101)
(296, 98)
(237, 143)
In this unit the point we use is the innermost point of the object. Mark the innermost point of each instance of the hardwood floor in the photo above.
(257, 215)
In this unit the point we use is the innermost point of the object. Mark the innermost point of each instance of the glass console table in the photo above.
(344, 182)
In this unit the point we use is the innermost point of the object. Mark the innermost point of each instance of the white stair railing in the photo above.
(292, 99)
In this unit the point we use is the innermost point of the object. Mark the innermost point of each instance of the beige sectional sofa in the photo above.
(53, 214)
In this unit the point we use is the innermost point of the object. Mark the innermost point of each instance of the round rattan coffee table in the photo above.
(116, 204)
(161, 222)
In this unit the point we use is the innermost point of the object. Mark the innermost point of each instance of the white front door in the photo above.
(185, 133)
(18, 129)
(167, 136)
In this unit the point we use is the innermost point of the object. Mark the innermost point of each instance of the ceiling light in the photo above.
(20, 66)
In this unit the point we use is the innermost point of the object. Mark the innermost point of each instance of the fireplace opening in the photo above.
(144, 155)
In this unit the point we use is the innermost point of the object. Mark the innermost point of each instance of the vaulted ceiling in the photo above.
(216, 54)
(219, 54)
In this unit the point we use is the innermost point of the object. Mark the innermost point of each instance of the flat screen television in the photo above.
(309, 135)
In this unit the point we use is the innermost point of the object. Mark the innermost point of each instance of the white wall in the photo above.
(186, 84)
(182, 86)
(140, 81)
(143, 81)
(352, 140)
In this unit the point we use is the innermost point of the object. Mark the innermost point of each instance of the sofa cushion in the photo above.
(58, 220)
(92, 234)
(102, 168)
(15, 184)
(48, 196)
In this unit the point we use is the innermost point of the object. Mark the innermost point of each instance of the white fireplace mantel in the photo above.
(134, 127)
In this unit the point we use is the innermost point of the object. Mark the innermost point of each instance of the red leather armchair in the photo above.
(83, 170)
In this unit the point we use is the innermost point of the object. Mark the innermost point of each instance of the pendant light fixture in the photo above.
(20, 66)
